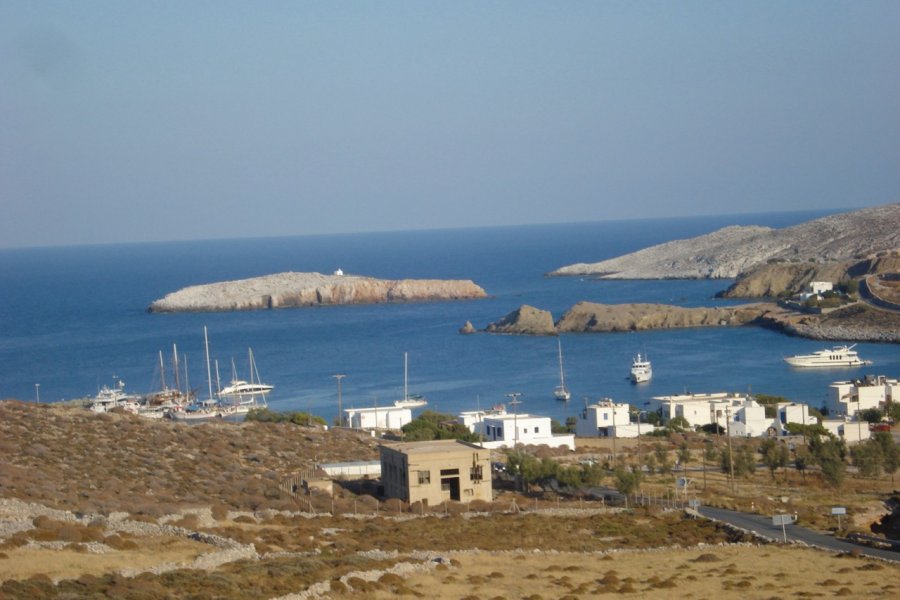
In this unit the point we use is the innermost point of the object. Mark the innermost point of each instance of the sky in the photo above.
(132, 121)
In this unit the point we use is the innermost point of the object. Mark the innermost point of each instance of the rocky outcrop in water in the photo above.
(592, 317)
(525, 320)
(284, 290)
(734, 250)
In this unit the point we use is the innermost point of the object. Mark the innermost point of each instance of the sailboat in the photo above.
(561, 392)
(205, 409)
(408, 401)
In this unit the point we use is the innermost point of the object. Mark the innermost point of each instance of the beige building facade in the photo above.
(436, 471)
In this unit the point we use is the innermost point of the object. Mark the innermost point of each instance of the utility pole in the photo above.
(730, 453)
(514, 401)
(340, 376)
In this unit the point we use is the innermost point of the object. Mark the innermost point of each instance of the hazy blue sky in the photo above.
(154, 120)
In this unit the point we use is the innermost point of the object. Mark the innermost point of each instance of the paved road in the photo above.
(763, 526)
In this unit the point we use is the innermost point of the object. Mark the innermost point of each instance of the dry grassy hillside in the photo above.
(77, 460)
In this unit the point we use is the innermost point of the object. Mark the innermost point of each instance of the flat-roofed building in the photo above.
(602, 419)
(376, 417)
(872, 391)
(436, 471)
(510, 430)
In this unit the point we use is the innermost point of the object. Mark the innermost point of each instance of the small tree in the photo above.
(662, 458)
(890, 452)
(801, 462)
(868, 458)
(684, 456)
(628, 481)
(774, 455)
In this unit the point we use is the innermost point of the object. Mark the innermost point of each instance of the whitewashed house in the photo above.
(697, 409)
(601, 419)
(795, 412)
(851, 431)
(377, 417)
(749, 420)
(508, 430)
(849, 397)
(820, 287)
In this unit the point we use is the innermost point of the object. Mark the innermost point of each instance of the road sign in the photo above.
(782, 519)
(839, 510)
(694, 503)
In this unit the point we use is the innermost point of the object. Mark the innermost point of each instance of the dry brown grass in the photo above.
(739, 572)
(73, 459)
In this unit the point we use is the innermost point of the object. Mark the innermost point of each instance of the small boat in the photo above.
(244, 395)
(109, 398)
(838, 356)
(641, 369)
(561, 392)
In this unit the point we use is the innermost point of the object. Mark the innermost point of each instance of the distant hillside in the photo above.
(730, 251)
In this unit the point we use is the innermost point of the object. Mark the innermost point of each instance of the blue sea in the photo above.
(74, 319)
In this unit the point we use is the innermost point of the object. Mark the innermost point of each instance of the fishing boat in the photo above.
(561, 392)
(641, 369)
(838, 356)
(408, 401)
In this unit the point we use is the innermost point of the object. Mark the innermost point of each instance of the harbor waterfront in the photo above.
(73, 319)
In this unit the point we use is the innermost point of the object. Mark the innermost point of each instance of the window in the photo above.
(476, 474)
(526, 430)
(424, 477)
(499, 432)
(606, 416)
(537, 429)
(446, 472)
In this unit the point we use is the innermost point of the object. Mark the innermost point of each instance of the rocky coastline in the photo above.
(858, 322)
(285, 290)
(732, 251)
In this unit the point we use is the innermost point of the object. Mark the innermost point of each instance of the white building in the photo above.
(508, 430)
(749, 420)
(795, 412)
(820, 287)
(697, 409)
(388, 417)
(738, 413)
(852, 432)
(849, 397)
(601, 419)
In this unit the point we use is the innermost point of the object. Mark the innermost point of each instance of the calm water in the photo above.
(73, 318)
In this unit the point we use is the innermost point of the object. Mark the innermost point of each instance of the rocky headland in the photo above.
(283, 290)
(731, 251)
(777, 277)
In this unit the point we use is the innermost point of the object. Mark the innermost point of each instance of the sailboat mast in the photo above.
(162, 372)
(208, 369)
(175, 366)
(405, 374)
(187, 380)
(562, 380)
